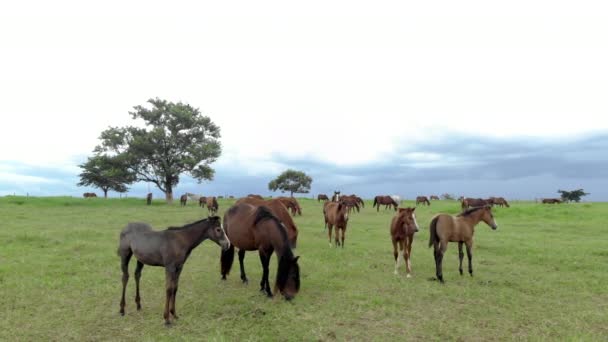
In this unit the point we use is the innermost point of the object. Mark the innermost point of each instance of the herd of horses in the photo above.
(254, 223)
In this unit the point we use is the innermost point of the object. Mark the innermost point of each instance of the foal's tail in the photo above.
(226, 260)
(433, 229)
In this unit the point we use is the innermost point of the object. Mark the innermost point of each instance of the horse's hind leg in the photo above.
(176, 285)
(170, 273)
(460, 256)
(470, 255)
(241, 259)
(138, 269)
(264, 284)
(125, 257)
(329, 229)
(342, 238)
(395, 255)
(407, 255)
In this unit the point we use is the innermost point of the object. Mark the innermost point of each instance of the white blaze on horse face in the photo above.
(415, 222)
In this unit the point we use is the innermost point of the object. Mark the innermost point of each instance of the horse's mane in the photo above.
(470, 211)
(194, 223)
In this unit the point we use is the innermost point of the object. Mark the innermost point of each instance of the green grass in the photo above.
(541, 275)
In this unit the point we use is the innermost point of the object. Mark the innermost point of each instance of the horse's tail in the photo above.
(433, 229)
(226, 260)
(375, 201)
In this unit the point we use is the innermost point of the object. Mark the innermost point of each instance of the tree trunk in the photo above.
(292, 194)
(169, 195)
(105, 193)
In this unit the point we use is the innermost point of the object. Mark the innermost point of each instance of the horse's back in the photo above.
(238, 224)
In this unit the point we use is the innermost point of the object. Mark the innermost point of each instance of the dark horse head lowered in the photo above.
(169, 248)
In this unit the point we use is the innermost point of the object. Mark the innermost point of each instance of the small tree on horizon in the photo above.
(291, 181)
(574, 195)
(106, 173)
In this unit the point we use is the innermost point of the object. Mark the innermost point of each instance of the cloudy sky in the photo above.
(470, 97)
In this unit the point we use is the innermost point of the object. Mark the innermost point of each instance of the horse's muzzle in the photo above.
(225, 244)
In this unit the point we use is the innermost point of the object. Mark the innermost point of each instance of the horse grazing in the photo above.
(386, 201)
(169, 248)
(291, 204)
(336, 196)
(251, 227)
(551, 201)
(202, 201)
(474, 202)
(255, 196)
(336, 214)
(279, 210)
(447, 228)
(89, 195)
(322, 197)
(434, 198)
(351, 201)
(499, 201)
(183, 200)
(212, 205)
(149, 198)
(422, 199)
(403, 227)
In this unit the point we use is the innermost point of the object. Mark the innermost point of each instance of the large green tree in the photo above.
(574, 195)
(106, 173)
(292, 181)
(175, 139)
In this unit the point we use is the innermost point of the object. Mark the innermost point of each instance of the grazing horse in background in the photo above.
(183, 200)
(499, 201)
(336, 214)
(352, 202)
(397, 199)
(322, 197)
(386, 200)
(291, 204)
(89, 195)
(250, 227)
(551, 201)
(422, 199)
(149, 198)
(212, 205)
(202, 201)
(474, 202)
(447, 228)
(434, 198)
(255, 196)
(403, 227)
(336, 196)
(169, 248)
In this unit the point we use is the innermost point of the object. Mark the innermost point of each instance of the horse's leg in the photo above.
(407, 248)
(125, 257)
(470, 255)
(138, 269)
(241, 259)
(175, 286)
(169, 290)
(264, 284)
(460, 256)
(337, 236)
(395, 255)
(343, 233)
(329, 229)
(442, 246)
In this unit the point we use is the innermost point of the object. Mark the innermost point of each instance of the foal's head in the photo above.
(408, 219)
(216, 232)
(488, 217)
(289, 284)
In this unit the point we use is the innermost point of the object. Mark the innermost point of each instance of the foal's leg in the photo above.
(175, 284)
(138, 269)
(343, 233)
(169, 289)
(241, 259)
(407, 254)
(329, 229)
(125, 257)
(395, 255)
(470, 255)
(337, 236)
(460, 256)
(440, 248)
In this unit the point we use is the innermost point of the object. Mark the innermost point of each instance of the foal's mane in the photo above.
(194, 223)
(470, 211)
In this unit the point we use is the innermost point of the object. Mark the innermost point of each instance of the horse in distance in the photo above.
(212, 205)
(422, 199)
(149, 198)
(446, 228)
(336, 214)
(169, 248)
(322, 197)
(386, 201)
(183, 200)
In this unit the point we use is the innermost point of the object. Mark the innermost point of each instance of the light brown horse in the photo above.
(183, 200)
(149, 198)
(322, 197)
(212, 205)
(336, 214)
(551, 201)
(447, 228)
(422, 199)
(403, 227)
(169, 248)
(386, 200)
(250, 227)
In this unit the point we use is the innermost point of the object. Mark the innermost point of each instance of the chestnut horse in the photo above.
(212, 205)
(149, 198)
(336, 196)
(183, 200)
(422, 199)
(322, 197)
(499, 201)
(358, 200)
(169, 248)
(352, 202)
(202, 201)
(336, 214)
(250, 227)
(403, 227)
(474, 202)
(551, 201)
(386, 200)
(291, 204)
(279, 210)
(447, 228)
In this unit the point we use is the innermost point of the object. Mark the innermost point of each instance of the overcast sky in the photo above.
(467, 97)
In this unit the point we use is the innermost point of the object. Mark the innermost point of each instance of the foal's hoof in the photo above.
(122, 313)
(168, 324)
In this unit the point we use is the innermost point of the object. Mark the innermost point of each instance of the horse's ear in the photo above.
(412, 209)
(401, 210)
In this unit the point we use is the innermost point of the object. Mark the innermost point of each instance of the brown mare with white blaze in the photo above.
(251, 228)
(336, 214)
(403, 227)
(422, 199)
(447, 228)
(169, 248)
(212, 205)
(385, 200)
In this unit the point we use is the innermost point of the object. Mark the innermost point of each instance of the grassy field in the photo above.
(541, 275)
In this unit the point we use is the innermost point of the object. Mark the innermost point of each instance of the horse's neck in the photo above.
(473, 220)
(195, 234)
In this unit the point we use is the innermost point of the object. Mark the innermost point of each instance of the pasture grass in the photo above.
(541, 275)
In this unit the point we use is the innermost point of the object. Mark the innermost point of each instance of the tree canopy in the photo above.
(574, 195)
(106, 173)
(292, 181)
(175, 139)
